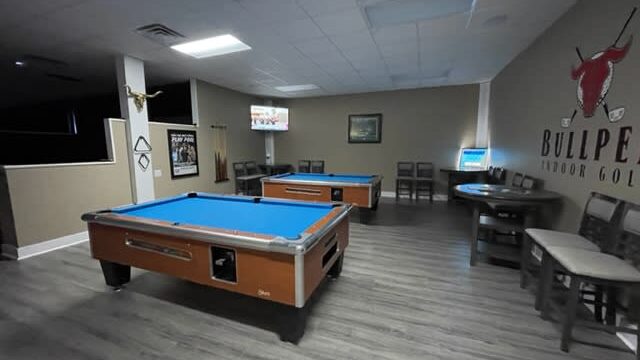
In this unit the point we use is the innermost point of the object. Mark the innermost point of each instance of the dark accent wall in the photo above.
(63, 131)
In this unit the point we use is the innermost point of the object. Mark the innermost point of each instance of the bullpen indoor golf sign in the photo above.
(571, 151)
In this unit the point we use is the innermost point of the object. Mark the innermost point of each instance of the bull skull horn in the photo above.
(139, 97)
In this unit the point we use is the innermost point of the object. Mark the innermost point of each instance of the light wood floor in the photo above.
(406, 292)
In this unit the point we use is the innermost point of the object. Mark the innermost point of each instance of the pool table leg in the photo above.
(293, 321)
(336, 268)
(115, 275)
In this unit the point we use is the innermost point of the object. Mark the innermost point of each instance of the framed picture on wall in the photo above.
(366, 128)
(183, 153)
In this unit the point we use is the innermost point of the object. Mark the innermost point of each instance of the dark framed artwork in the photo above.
(365, 128)
(183, 153)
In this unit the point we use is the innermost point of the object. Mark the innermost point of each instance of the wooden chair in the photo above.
(239, 170)
(405, 176)
(517, 179)
(617, 269)
(595, 227)
(304, 166)
(317, 166)
(424, 179)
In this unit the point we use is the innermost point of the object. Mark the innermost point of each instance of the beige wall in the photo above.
(428, 124)
(535, 91)
(216, 105)
(7, 227)
(47, 202)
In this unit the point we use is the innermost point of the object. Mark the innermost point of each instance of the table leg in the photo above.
(474, 234)
(293, 321)
(115, 275)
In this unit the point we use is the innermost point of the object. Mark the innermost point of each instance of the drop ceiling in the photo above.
(341, 46)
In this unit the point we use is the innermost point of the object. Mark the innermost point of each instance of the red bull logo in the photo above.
(595, 76)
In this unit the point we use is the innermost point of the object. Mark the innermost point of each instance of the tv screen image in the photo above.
(473, 158)
(269, 118)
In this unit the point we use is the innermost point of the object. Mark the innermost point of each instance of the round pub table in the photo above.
(506, 198)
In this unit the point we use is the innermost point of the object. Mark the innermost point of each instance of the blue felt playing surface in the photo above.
(270, 217)
(327, 177)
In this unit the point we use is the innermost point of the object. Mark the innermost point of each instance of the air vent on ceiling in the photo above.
(160, 34)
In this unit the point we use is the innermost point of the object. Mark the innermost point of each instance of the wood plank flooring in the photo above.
(406, 292)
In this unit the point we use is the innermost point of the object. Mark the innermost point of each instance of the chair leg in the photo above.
(597, 303)
(570, 312)
(524, 260)
(545, 284)
(430, 192)
(610, 315)
(397, 189)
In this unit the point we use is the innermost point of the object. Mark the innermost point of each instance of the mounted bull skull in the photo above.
(594, 77)
(139, 98)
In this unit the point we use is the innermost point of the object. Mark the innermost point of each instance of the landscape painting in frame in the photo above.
(365, 128)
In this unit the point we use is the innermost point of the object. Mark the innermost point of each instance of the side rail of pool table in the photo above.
(364, 195)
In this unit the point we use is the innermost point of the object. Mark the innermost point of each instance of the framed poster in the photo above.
(366, 128)
(183, 153)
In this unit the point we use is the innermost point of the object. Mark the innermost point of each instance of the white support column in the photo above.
(269, 142)
(482, 127)
(269, 148)
(130, 71)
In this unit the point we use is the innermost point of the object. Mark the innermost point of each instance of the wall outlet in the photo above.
(157, 173)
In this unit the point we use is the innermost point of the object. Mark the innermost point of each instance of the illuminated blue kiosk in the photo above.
(472, 168)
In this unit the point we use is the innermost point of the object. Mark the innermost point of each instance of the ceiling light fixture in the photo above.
(290, 88)
(394, 12)
(20, 63)
(213, 46)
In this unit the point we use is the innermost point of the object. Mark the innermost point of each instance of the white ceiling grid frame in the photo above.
(361, 58)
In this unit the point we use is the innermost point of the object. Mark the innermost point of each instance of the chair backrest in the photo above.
(528, 182)
(252, 167)
(239, 169)
(517, 179)
(627, 243)
(491, 171)
(304, 166)
(405, 168)
(317, 166)
(498, 175)
(424, 170)
(599, 220)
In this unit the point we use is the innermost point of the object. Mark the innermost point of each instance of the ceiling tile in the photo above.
(358, 39)
(316, 46)
(343, 22)
(296, 30)
(269, 11)
(398, 33)
(326, 7)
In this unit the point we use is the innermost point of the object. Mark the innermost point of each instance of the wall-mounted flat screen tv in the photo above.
(269, 118)
(473, 158)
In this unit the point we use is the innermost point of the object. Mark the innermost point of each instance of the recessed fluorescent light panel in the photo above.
(290, 88)
(213, 46)
(396, 12)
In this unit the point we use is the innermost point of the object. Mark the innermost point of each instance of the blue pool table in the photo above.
(359, 190)
(274, 249)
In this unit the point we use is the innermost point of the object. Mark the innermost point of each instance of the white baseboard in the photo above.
(392, 194)
(24, 252)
